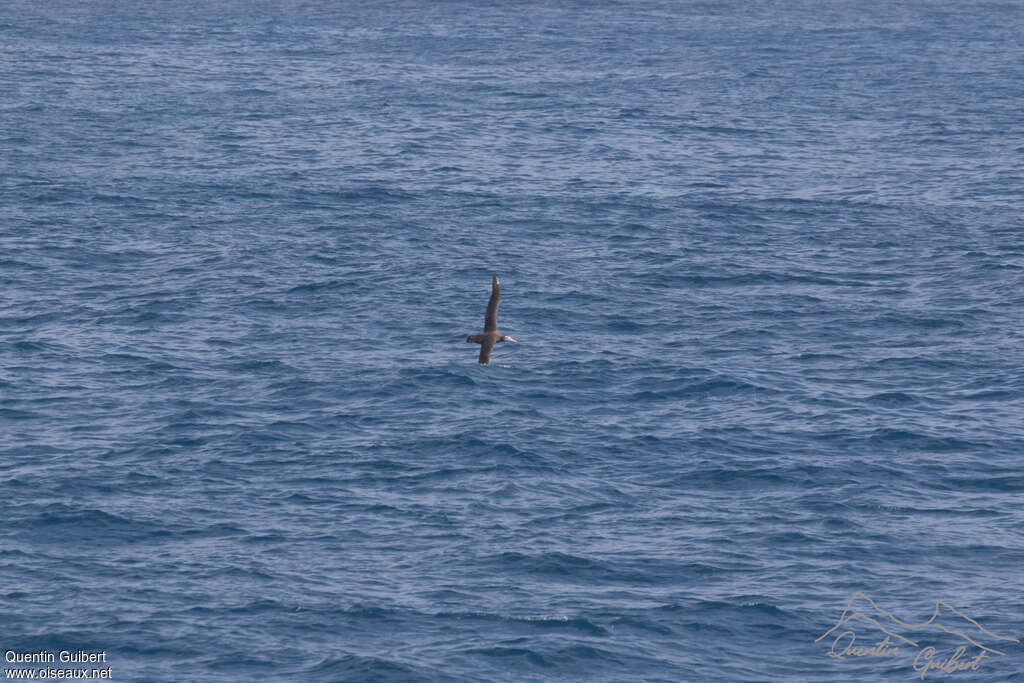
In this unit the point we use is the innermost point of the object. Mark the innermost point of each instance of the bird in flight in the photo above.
(491, 336)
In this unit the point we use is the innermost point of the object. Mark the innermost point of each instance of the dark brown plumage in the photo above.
(491, 335)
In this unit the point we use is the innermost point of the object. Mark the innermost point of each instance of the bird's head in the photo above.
(505, 337)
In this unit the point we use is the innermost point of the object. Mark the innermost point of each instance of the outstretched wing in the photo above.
(491, 318)
(485, 351)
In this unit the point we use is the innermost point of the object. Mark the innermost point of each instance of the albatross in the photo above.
(491, 336)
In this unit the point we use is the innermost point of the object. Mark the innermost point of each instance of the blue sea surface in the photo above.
(765, 260)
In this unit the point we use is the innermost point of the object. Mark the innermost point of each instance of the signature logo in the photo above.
(866, 630)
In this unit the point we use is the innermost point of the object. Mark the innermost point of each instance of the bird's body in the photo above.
(491, 335)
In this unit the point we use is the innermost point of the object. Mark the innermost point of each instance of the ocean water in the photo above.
(765, 260)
